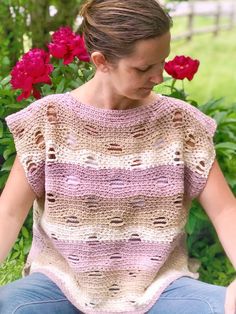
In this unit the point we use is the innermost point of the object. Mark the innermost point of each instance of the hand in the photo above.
(230, 300)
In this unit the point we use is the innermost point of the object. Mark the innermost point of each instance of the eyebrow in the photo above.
(149, 66)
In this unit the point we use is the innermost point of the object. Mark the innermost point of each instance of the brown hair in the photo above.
(113, 26)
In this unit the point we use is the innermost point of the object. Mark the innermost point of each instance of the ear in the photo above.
(99, 61)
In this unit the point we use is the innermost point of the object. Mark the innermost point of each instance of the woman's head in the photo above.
(128, 41)
(112, 27)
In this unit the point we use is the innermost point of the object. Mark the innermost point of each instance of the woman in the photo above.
(112, 169)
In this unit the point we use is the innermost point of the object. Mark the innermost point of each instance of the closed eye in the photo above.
(144, 70)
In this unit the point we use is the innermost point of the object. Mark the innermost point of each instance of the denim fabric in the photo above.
(37, 294)
(190, 296)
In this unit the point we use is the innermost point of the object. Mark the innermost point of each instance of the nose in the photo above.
(157, 78)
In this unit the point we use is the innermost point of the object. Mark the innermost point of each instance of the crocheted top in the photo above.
(113, 191)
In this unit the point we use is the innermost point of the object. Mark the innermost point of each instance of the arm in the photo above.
(15, 203)
(220, 205)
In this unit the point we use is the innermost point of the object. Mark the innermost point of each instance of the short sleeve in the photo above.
(27, 128)
(199, 151)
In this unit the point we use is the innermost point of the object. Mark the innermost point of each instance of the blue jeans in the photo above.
(37, 294)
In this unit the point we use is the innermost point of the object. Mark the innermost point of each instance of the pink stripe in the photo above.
(97, 255)
(72, 180)
(194, 183)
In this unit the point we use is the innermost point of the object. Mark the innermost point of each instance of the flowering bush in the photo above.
(65, 67)
(34, 68)
(31, 73)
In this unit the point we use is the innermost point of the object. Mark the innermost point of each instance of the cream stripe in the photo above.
(96, 160)
(108, 234)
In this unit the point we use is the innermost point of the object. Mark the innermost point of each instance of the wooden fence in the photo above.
(217, 9)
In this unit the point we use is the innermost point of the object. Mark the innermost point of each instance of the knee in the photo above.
(8, 300)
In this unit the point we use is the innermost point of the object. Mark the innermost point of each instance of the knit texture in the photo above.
(113, 192)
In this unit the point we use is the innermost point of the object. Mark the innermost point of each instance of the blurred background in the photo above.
(205, 30)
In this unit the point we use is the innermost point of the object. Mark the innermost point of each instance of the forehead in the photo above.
(150, 50)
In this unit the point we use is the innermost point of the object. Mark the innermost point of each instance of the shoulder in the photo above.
(190, 115)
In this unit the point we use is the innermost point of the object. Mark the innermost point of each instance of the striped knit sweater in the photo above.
(113, 191)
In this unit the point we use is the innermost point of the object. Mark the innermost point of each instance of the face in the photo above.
(134, 76)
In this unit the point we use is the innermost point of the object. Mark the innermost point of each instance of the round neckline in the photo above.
(114, 112)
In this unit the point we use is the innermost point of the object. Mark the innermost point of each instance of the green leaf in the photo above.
(61, 86)
(3, 179)
(7, 165)
(25, 232)
(1, 129)
(6, 80)
(226, 145)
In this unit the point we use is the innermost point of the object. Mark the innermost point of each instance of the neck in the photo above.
(104, 95)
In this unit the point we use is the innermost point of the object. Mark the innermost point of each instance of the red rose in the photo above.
(182, 67)
(33, 68)
(67, 45)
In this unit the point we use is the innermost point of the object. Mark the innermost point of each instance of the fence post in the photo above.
(190, 20)
(217, 18)
(232, 16)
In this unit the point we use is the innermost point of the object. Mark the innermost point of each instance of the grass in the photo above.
(216, 75)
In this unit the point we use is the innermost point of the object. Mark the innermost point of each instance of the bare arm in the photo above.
(15, 203)
(220, 205)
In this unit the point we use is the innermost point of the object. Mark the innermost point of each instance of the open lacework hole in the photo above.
(138, 202)
(73, 258)
(31, 166)
(160, 222)
(178, 203)
(162, 181)
(39, 139)
(91, 161)
(71, 140)
(72, 220)
(54, 237)
(117, 184)
(190, 141)
(114, 148)
(92, 202)
(72, 181)
(134, 238)
(159, 143)
(201, 167)
(156, 258)
(132, 274)
(137, 162)
(51, 198)
(138, 131)
(114, 289)
(177, 158)
(91, 304)
(52, 113)
(116, 257)
(91, 130)
(19, 131)
(116, 222)
(51, 154)
(95, 274)
(178, 119)
(93, 241)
